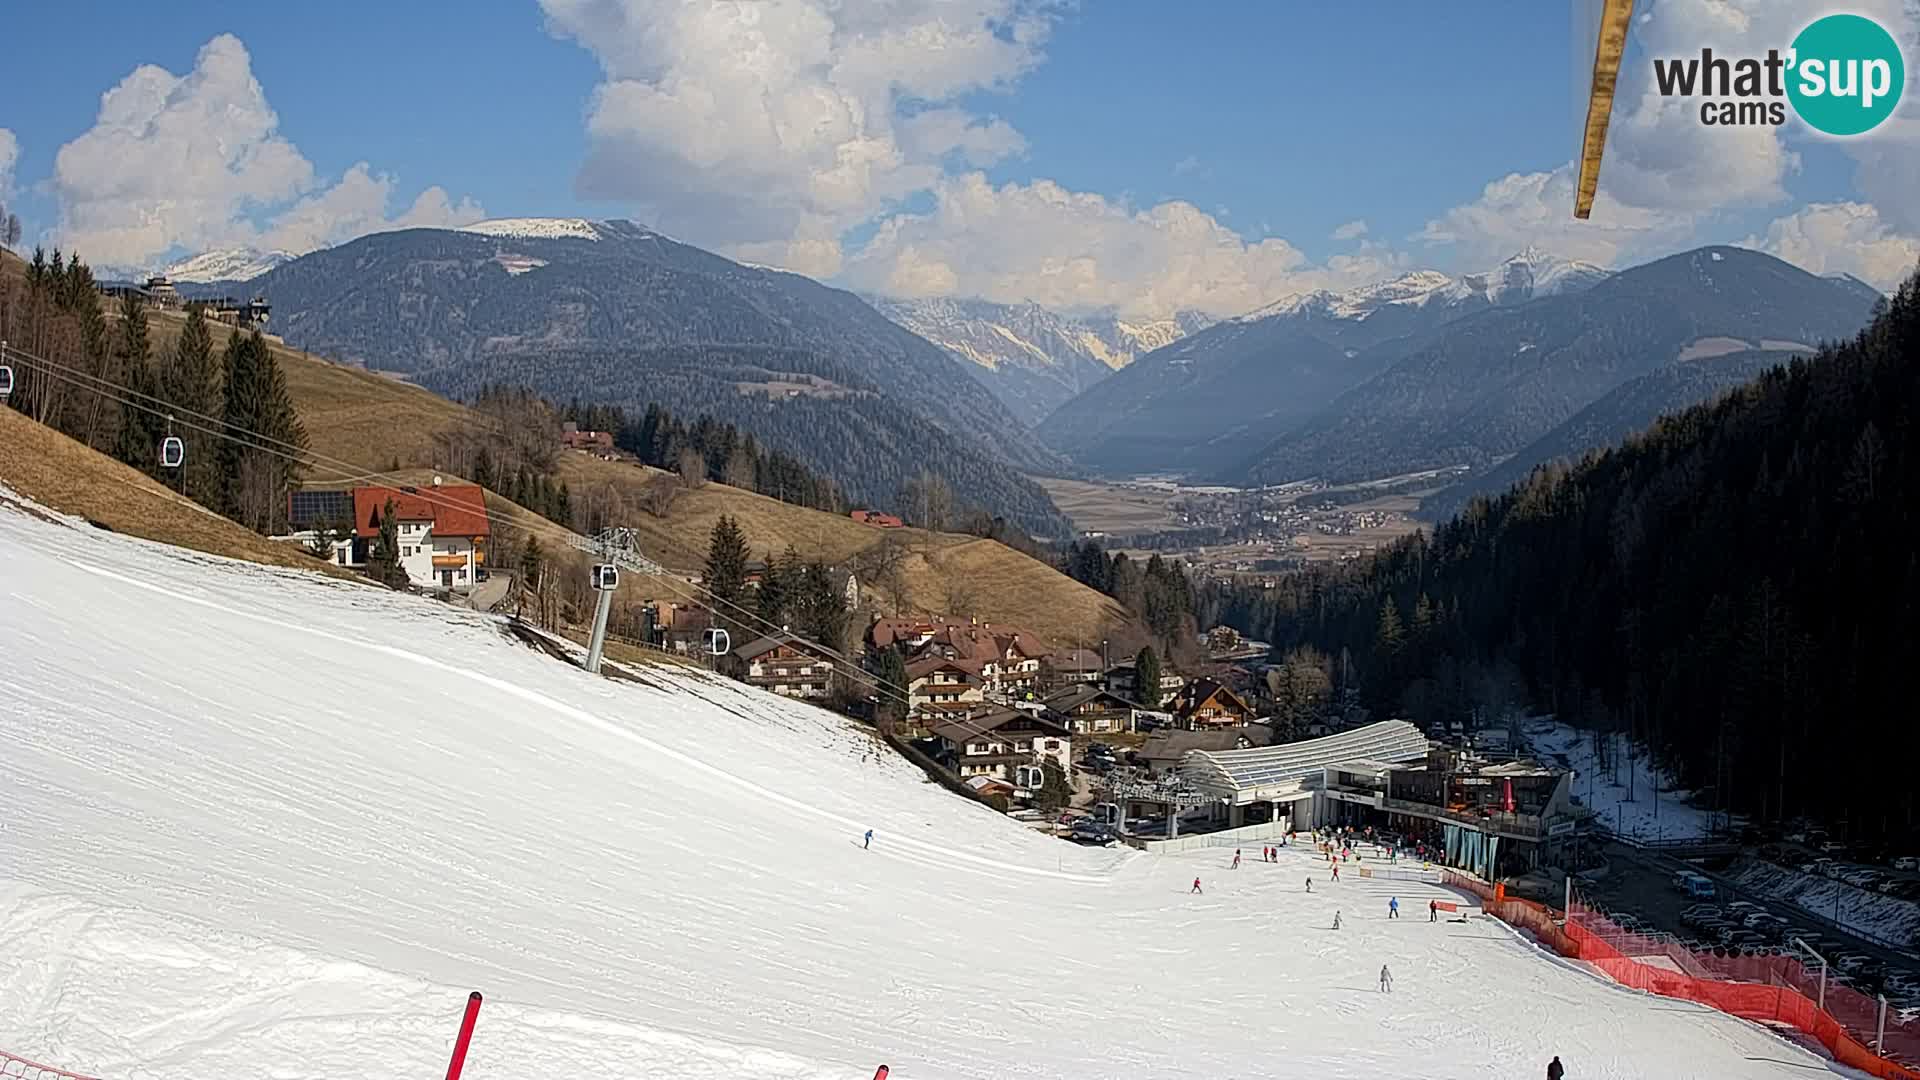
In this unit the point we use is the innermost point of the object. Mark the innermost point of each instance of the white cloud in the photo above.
(357, 205)
(193, 162)
(1186, 165)
(1352, 230)
(1537, 208)
(770, 127)
(1666, 177)
(1845, 237)
(1077, 250)
(9, 153)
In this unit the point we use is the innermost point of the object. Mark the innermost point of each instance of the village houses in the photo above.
(788, 666)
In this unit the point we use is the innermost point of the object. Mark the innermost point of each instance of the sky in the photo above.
(1125, 154)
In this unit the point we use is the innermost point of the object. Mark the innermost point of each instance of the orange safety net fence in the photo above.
(1767, 988)
(19, 1068)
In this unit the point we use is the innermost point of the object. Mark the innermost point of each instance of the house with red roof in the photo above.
(442, 530)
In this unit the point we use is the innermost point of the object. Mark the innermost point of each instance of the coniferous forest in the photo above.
(95, 373)
(1735, 586)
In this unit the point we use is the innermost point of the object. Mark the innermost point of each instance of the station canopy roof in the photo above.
(1237, 772)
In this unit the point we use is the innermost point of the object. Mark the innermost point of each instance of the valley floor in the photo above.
(256, 823)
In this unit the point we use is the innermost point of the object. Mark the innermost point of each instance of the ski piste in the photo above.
(260, 821)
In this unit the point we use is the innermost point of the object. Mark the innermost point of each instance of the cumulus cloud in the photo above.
(9, 153)
(192, 162)
(770, 127)
(1352, 230)
(1844, 237)
(1666, 177)
(1077, 250)
(357, 205)
(1537, 208)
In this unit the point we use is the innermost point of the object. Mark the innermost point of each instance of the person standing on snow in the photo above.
(1386, 980)
(868, 842)
(1309, 885)
(1336, 920)
(1555, 1070)
(1393, 907)
(1433, 911)
(1196, 886)
(1336, 871)
(1236, 859)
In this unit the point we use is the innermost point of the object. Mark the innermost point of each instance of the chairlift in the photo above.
(718, 642)
(172, 452)
(6, 381)
(606, 577)
(1029, 776)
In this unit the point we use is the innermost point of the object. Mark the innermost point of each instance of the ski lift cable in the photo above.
(850, 668)
(323, 463)
(352, 471)
(349, 470)
(320, 462)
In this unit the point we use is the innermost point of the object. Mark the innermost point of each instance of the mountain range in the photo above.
(1035, 359)
(610, 311)
(1193, 406)
(1487, 385)
(230, 264)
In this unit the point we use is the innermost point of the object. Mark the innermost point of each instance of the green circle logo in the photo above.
(1846, 75)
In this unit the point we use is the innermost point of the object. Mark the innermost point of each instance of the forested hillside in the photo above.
(610, 312)
(1490, 384)
(1735, 586)
(867, 443)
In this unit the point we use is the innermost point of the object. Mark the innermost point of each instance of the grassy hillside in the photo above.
(375, 421)
(55, 471)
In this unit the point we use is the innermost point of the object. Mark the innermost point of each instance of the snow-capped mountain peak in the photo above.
(536, 228)
(1525, 275)
(230, 264)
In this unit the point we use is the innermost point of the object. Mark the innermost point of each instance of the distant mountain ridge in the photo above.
(229, 264)
(615, 312)
(1194, 405)
(1033, 358)
(1487, 386)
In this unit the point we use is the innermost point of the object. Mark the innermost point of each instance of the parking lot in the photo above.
(1639, 890)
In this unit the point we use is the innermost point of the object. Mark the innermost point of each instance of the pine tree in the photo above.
(726, 572)
(1146, 677)
(140, 428)
(383, 561)
(774, 592)
(257, 465)
(190, 385)
(892, 676)
(239, 415)
(1056, 790)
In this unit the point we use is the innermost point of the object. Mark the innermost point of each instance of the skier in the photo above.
(1393, 907)
(1555, 1070)
(1309, 885)
(868, 842)
(1196, 886)
(1386, 980)
(1336, 871)
(1236, 859)
(1433, 911)
(1336, 920)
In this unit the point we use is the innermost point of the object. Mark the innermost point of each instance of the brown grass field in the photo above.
(366, 424)
(61, 474)
(1109, 508)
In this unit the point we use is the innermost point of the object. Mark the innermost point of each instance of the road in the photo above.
(491, 591)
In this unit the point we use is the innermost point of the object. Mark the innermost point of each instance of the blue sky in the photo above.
(1115, 153)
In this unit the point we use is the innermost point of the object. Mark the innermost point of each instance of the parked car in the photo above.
(1907, 862)
(1823, 866)
(1743, 939)
(1832, 847)
(1852, 963)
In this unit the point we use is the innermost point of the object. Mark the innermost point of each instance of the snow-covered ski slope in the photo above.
(259, 824)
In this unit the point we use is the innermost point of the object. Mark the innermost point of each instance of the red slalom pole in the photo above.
(882, 1074)
(466, 1036)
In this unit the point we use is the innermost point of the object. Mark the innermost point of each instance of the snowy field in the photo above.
(255, 824)
(1671, 817)
(1888, 919)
